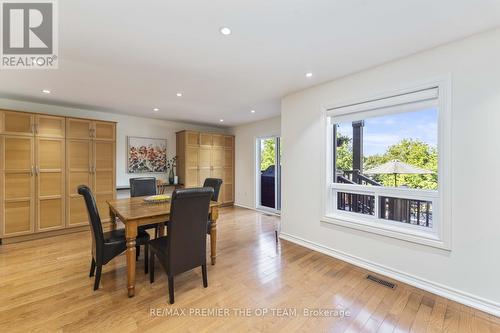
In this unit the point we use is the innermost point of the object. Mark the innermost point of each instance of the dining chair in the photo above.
(216, 184)
(184, 247)
(141, 187)
(107, 245)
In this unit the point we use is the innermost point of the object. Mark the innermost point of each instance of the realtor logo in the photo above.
(29, 34)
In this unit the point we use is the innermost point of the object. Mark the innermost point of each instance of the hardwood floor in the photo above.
(44, 286)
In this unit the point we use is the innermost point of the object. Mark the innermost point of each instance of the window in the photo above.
(384, 166)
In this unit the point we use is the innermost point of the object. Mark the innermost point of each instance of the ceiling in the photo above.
(129, 57)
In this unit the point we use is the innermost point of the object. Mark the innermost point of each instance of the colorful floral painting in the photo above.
(147, 155)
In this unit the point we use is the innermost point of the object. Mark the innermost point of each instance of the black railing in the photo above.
(355, 177)
(417, 212)
(356, 203)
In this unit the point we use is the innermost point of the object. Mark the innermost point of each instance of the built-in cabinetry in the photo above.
(43, 159)
(206, 155)
(90, 147)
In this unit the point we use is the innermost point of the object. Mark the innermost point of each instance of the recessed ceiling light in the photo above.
(221, 120)
(225, 31)
(156, 109)
(252, 111)
(46, 91)
(309, 74)
(179, 94)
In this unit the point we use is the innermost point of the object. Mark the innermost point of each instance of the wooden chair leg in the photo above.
(146, 259)
(171, 289)
(92, 268)
(97, 277)
(204, 274)
(152, 268)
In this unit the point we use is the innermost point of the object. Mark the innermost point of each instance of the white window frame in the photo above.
(392, 102)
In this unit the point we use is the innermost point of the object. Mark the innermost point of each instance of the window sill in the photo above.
(402, 233)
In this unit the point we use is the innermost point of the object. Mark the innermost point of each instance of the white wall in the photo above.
(245, 136)
(469, 272)
(126, 126)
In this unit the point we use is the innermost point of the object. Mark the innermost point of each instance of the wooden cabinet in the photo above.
(50, 127)
(206, 155)
(78, 166)
(91, 161)
(17, 123)
(50, 172)
(228, 173)
(43, 160)
(18, 180)
(103, 174)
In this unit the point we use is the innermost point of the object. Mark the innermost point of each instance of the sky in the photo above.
(381, 132)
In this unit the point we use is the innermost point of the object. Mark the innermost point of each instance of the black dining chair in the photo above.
(107, 245)
(184, 247)
(216, 184)
(140, 187)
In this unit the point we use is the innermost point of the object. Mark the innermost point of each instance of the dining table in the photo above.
(134, 212)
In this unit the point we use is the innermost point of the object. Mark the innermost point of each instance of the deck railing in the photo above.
(412, 211)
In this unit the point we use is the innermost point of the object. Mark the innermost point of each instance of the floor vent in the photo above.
(380, 281)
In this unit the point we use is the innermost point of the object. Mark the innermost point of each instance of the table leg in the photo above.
(214, 214)
(112, 216)
(161, 231)
(131, 234)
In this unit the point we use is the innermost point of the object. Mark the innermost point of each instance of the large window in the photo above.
(383, 168)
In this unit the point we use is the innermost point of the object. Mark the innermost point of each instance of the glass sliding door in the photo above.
(268, 173)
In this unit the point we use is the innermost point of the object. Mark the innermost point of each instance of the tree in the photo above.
(267, 154)
(413, 152)
(344, 153)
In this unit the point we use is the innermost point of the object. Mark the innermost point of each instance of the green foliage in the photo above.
(344, 153)
(413, 152)
(267, 155)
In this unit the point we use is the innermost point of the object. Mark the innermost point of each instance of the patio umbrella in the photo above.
(396, 167)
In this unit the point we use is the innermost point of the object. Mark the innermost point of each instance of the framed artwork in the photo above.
(146, 155)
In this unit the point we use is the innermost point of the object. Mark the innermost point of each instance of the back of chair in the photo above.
(94, 219)
(214, 183)
(187, 229)
(142, 186)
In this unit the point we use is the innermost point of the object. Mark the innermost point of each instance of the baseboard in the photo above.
(255, 209)
(465, 298)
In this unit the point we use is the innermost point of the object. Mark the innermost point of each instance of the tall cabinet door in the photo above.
(104, 175)
(204, 164)
(78, 166)
(228, 176)
(50, 180)
(18, 200)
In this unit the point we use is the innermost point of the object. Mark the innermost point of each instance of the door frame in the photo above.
(277, 180)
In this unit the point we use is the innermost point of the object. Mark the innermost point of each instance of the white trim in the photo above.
(441, 202)
(257, 209)
(453, 294)
(417, 96)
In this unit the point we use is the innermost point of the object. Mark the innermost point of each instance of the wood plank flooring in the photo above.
(44, 287)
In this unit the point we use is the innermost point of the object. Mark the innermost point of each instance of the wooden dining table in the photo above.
(134, 212)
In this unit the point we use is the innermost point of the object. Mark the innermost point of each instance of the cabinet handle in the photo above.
(32, 170)
(37, 170)
(36, 128)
